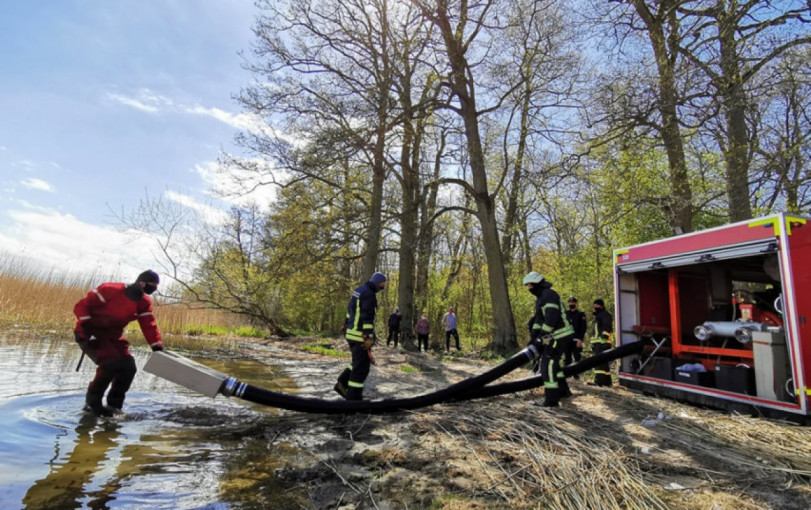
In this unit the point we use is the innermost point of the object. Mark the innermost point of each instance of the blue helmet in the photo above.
(378, 278)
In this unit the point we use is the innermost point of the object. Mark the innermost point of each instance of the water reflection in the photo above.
(64, 487)
(172, 449)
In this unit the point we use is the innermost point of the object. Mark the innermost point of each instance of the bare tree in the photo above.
(459, 24)
(732, 42)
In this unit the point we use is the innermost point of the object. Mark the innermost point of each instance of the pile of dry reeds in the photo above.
(595, 453)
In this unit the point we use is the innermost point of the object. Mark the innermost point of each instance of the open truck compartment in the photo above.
(724, 313)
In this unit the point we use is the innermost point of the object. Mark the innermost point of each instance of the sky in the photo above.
(103, 103)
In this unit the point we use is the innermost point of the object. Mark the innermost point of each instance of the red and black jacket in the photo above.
(106, 311)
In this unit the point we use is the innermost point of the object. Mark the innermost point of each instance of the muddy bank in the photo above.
(593, 452)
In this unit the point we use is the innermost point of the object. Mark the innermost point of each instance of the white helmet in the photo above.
(533, 277)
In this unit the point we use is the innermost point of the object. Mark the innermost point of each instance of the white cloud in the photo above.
(144, 100)
(38, 184)
(239, 186)
(62, 243)
(147, 101)
(242, 121)
(210, 214)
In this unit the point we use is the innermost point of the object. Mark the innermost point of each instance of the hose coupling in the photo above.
(532, 352)
(233, 388)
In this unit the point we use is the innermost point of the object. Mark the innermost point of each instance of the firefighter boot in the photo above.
(551, 397)
(565, 392)
(354, 393)
(602, 379)
(340, 386)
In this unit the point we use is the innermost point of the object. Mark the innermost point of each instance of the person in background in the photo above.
(577, 319)
(394, 327)
(101, 317)
(601, 341)
(449, 321)
(549, 328)
(423, 328)
(360, 335)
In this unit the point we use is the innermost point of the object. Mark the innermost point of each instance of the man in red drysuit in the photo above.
(101, 317)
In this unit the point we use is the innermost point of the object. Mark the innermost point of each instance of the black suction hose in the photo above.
(232, 387)
(537, 381)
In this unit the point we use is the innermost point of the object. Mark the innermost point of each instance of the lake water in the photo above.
(171, 449)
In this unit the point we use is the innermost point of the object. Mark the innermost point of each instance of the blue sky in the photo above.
(103, 102)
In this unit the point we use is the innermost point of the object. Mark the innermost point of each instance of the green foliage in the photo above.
(217, 330)
(325, 350)
(408, 368)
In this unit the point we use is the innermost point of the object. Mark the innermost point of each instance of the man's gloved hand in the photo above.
(79, 337)
(157, 348)
(368, 340)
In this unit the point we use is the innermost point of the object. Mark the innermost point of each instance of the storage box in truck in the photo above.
(725, 315)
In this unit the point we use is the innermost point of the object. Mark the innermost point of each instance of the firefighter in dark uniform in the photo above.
(549, 325)
(101, 317)
(360, 335)
(578, 320)
(601, 341)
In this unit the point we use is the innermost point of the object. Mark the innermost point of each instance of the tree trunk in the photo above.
(511, 216)
(733, 98)
(681, 203)
(426, 236)
(504, 339)
(408, 237)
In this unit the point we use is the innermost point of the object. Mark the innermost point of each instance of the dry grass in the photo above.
(43, 301)
(597, 455)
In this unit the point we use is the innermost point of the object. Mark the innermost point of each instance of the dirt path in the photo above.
(505, 452)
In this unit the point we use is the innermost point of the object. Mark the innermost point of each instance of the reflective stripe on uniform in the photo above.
(553, 384)
(353, 384)
(101, 298)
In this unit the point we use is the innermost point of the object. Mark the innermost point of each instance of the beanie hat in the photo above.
(148, 276)
(572, 299)
(378, 278)
(599, 302)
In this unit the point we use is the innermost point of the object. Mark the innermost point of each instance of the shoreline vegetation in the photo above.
(38, 302)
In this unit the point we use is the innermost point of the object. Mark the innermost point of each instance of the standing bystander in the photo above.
(449, 321)
(423, 327)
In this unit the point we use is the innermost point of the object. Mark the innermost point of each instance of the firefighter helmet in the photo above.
(533, 277)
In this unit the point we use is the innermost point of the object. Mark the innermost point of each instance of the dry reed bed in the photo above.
(43, 302)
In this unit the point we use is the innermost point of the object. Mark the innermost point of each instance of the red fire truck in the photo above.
(726, 314)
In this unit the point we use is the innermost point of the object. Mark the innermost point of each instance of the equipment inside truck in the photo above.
(711, 323)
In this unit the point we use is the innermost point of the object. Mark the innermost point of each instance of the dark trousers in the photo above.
(395, 334)
(116, 373)
(555, 385)
(571, 352)
(355, 377)
(422, 340)
(448, 334)
(602, 373)
(116, 370)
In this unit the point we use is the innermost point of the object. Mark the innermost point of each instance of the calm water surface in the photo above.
(171, 449)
